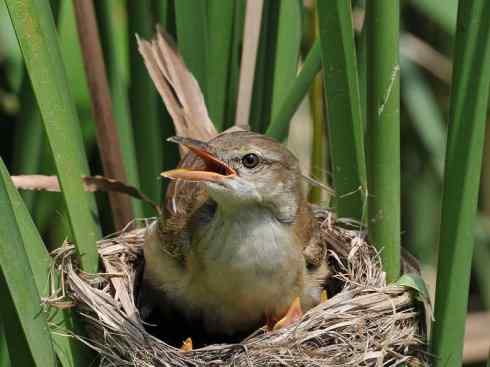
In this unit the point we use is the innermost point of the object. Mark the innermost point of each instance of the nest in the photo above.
(366, 323)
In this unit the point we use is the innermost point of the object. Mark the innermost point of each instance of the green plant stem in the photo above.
(192, 35)
(279, 127)
(115, 72)
(467, 117)
(220, 34)
(343, 107)
(263, 84)
(287, 51)
(383, 131)
(234, 67)
(143, 104)
(35, 29)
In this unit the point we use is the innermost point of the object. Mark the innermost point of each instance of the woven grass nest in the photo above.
(366, 323)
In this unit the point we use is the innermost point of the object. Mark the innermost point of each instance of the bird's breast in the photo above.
(243, 266)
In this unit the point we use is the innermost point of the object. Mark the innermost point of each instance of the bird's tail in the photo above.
(177, 87)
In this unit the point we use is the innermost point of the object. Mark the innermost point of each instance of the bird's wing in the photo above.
(177, 87)
(308, 229)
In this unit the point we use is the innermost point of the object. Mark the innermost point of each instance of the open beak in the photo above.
(215, 170)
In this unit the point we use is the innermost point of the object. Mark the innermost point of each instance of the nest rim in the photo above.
(339, 332)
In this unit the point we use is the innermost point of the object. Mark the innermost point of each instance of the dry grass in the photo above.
(367, 323)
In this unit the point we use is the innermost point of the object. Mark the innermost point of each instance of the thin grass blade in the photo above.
(220, 37)
(287, 50)
(467, 117)
(279, 127)
(19, 292)
(261, 106)
(235, 61)
(112, 46)
(343, 107)
(192, 35)
(70, 352)
(143, 103)
(35, 29)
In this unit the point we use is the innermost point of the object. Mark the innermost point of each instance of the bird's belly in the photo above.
(244, 274)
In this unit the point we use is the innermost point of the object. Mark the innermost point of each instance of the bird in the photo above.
(238, 242)
(237, 245)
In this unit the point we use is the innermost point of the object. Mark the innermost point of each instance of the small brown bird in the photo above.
(237, 244)
(238, 241)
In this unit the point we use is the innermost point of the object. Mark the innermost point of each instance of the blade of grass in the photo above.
(4, 353)
(69, 351)
(192, 35)
(166, 18)
(467, 117)
(279, 127)
(16, 280)
(106, 132)
(253, 21)
(220, 37)
(144, 107)
(287, 51)
(317, 104)
(261, 106)
(383, 131)
(29, 139)
(234, 68)
(110, 34)
(344, 107)
(34, 26)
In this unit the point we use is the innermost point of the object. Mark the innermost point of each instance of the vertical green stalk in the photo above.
(287, 51)
(143, 104)
(192, 36)
(344, 107)
(261, 108)
(108, 37)
(317, 106)
(220, 37)
(467, 116)
(35, 29)
(234, 67)
(279, 127)
(383, 131)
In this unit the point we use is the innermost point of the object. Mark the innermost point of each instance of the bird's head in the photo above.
(244, 168)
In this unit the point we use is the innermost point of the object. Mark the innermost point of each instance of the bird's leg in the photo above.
(294, 314)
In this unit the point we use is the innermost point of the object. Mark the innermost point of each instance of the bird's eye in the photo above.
(250, 160)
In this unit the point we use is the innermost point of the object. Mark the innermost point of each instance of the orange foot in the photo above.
(186, 345)
(293, 315)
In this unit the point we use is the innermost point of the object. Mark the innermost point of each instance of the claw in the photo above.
(293, 315)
